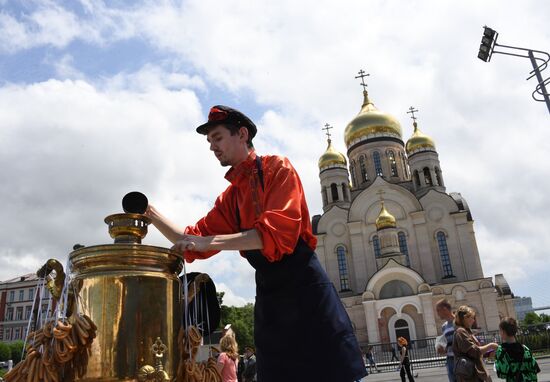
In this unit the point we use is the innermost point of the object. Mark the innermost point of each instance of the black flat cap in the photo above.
(221, 114)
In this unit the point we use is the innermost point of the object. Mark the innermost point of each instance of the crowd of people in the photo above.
(232, 366)
(465, 354)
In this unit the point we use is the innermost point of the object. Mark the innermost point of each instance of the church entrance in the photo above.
(402, 330)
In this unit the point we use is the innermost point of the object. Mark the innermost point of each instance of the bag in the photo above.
(464, 367)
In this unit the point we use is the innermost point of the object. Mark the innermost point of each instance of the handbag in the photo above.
(464, 367)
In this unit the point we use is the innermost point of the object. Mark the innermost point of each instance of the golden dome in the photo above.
(371, 122)
(331, 157)
(385, 219)
(419, 141)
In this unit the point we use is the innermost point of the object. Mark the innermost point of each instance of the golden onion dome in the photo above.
(371, 123)
(385, 219)
(419, 141)
(331, 157)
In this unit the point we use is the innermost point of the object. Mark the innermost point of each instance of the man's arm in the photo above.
(172, 232)
(241, 241)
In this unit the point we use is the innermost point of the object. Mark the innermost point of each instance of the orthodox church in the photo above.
(393, 240)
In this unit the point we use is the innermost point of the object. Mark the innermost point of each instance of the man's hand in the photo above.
(193, 243)
(441, 350)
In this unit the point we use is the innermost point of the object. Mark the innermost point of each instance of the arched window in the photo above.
(376, 246)
(416, 178)
(403, 246)
(377, 163)
(342, 268)
(363, 166)
(427, 176)
(325, 196)
(393, 163)
(352, 172)
(438, 176)
(334, 192)
(345, 192)
(444, 253)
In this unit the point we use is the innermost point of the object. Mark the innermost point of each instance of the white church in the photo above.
(393, 240)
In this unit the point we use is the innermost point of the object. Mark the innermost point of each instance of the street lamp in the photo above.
(538, 58)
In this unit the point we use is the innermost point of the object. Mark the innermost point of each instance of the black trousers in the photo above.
(406, 368)
(302, 331)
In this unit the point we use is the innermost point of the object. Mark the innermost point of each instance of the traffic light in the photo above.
(488, 41)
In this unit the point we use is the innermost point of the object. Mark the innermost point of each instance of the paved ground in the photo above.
(439, 374)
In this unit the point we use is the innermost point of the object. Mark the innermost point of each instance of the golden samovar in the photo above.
(133, 295)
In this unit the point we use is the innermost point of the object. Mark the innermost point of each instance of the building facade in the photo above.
(18, 303)
(393, 240)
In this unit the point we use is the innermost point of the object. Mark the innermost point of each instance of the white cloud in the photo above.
(295, 61)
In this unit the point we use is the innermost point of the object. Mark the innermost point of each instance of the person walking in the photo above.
(370, 359)
(264, 215)
(228, 359)
(468, 353)
(249, 372)
(404, 361)
(443, 309)
(514, 361)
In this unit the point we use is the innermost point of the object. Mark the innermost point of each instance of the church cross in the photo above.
(411, 112)
(362, 75)
(327, 128)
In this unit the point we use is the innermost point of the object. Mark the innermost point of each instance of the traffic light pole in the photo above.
(488, 48)
(541, 88)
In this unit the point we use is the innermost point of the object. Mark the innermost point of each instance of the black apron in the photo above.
(301, 330)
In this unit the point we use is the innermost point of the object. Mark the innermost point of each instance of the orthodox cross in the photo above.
(362, 75)
(327, 128)
(411, 112)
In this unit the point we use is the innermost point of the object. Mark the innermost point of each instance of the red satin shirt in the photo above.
(278, 212)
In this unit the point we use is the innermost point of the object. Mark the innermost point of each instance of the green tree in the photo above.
(531, 318)
(16, 351)
(544, 317)
(5, 351)
(242, 323)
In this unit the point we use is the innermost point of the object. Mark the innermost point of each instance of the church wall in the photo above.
(382, 147)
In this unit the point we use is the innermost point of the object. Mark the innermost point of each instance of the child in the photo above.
(514, 361)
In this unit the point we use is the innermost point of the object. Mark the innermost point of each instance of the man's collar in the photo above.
(242, 168)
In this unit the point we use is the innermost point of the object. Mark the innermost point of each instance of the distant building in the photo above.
(16, 306)
(393, 240)
(523, 305)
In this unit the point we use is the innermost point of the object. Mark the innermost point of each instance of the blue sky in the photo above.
(85, 85)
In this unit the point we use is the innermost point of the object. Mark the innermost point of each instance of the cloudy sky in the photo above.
(101, 98)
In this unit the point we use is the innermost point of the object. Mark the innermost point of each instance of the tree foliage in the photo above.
(5, 352)
(16, 351)
(531, 318)
(241, 320)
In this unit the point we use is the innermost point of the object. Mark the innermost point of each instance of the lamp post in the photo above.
(538, 58)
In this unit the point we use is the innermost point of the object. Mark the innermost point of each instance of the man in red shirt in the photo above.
(264, 215)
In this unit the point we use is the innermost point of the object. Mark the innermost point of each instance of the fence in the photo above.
(423, 354)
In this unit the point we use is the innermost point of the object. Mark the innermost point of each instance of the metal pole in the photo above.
(539, 78)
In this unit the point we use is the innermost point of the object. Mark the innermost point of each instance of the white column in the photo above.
(428, 314)
(372, 321)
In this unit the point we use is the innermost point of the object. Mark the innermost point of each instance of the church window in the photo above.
(444, 253)
(363, 166)
(377, 163)
(325, 196)
(427, 177)
(345, 192)
(393, 163)
(403, 247)
(438, 176)
(376, 246)
(342, 268)
(416, 178)
(352, 171)
(334, 192)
